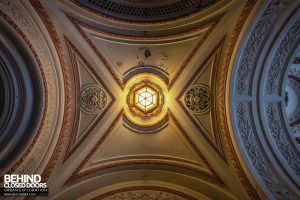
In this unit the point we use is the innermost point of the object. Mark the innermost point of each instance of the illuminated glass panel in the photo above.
(146, 98)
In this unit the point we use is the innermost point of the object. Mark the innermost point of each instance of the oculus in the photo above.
(198, 99)
(93, 99)
(145, 99)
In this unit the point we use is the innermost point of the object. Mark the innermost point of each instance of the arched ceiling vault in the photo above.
(158, 100)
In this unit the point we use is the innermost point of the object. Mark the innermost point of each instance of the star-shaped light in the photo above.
(146, 98)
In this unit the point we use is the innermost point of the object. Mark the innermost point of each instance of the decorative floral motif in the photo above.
(256, 156)
(245, 94)
(279, 136)
(254, 45)
(198, 99)
(93, 99)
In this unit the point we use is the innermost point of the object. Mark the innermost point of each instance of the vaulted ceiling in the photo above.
(222, 77)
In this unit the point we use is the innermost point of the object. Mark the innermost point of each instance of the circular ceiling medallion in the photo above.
(198, 99)
(93, 99)
(145, 99)
(145, 103)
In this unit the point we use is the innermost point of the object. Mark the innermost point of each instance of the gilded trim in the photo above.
(77, 173)
(221, 97)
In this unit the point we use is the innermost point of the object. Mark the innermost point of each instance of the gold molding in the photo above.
(221, 99)
(211, 23)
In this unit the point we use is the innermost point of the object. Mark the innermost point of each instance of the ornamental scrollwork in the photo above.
(244, 98)
(280, 138)
(256, 156)
(198, 99)
(254, 44)
(93, 99)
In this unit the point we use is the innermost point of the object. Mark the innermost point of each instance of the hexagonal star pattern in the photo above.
(146, 99)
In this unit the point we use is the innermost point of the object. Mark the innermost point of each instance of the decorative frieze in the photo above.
(255, 154)
(280, 137)
(254, 45)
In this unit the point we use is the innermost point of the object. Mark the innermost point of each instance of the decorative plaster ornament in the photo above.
(198, 99)
(93, 99)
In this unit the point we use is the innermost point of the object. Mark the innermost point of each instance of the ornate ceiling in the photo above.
(152, 99)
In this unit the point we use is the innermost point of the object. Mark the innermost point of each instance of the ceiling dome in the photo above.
(149, 99)
(145, 10)
(21, 97)
(264, 101)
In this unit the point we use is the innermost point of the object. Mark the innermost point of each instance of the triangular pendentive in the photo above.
(202, 85)
(120, 52)
(119, 147)
(88, 112)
